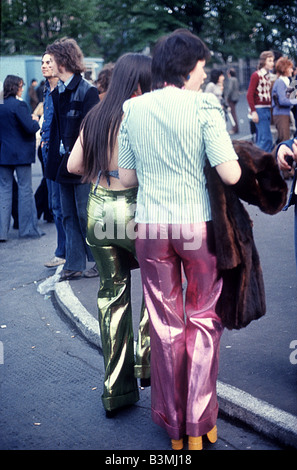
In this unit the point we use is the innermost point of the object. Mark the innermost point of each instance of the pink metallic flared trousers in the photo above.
(185, 331)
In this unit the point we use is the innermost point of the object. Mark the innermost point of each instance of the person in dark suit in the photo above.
(17, 153)
(72, 99)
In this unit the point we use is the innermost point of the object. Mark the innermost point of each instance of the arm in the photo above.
(250, 96)
(25, 119)
(126, 157)
(75, 161)
(281, 92)
(218, 145)
(128, 178)
(229, 172)
(284, 151)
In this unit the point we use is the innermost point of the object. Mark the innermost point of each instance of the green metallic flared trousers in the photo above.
(111, 236)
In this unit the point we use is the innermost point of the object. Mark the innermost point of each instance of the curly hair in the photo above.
(282, 65)
(11, 85)
(68, 54)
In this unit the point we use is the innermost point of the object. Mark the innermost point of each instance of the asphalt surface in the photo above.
(258, 365)
(258, 370)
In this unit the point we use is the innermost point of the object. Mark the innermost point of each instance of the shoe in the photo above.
(92, 272)
(55, 261)
(112, 413)
(145, 383)
(67, 275)
(213, 435)
(177, 444)
(195, 443)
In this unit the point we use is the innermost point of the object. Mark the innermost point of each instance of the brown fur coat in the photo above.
(243, 296)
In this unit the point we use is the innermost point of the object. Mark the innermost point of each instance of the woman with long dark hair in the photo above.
(111, 234)
(17, 153)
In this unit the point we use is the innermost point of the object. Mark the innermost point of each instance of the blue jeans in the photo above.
(54, 203)
(264, 137)
(26, 203)
(74, 198)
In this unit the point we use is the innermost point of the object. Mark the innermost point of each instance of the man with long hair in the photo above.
(72, 99)
(259, 100)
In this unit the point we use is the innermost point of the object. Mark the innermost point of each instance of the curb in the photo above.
(75, 311)
(233, 402)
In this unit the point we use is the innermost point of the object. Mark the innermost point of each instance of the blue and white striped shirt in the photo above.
(165, 136)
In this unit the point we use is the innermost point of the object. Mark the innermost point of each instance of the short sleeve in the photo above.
(126, 158)
(218, 144)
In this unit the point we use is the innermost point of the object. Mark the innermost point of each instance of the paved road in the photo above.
(51, 376)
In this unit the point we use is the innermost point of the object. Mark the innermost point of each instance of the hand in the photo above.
(35, 117)
(283, 152)
(255, 117)
(295, 150)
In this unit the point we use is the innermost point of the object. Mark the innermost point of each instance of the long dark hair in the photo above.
(175, 56)
(11, 85)
(101, 125)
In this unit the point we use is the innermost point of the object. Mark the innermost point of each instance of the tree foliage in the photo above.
(236, 28)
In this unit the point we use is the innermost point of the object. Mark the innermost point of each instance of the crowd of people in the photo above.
(124, 168)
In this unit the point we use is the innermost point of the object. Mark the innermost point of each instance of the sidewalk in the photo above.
(257, 378)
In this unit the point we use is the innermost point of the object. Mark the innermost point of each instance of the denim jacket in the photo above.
(48, 108)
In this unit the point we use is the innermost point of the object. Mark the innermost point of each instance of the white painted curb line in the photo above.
(233, 402)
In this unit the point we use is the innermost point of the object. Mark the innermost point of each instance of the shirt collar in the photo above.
(286, 80)
(63, 85)
(263, 72)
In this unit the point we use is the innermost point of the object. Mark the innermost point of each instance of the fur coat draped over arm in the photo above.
(243, 295)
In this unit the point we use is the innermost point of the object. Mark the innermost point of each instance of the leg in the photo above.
(184, 355)
(264, 137)
(55, 205)
(111, 222)
(108, 216)
(161, 276)
(282, 124)
(14, 210)
(295, 209)
(143, 350)
(203, 333)
(81, 195)
(115, 320)
(75, 242)
(26, 203)
(6, 179)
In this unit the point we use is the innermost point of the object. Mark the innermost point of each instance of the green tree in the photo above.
(236, 28)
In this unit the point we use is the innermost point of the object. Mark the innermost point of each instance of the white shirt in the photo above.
(165, 136)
